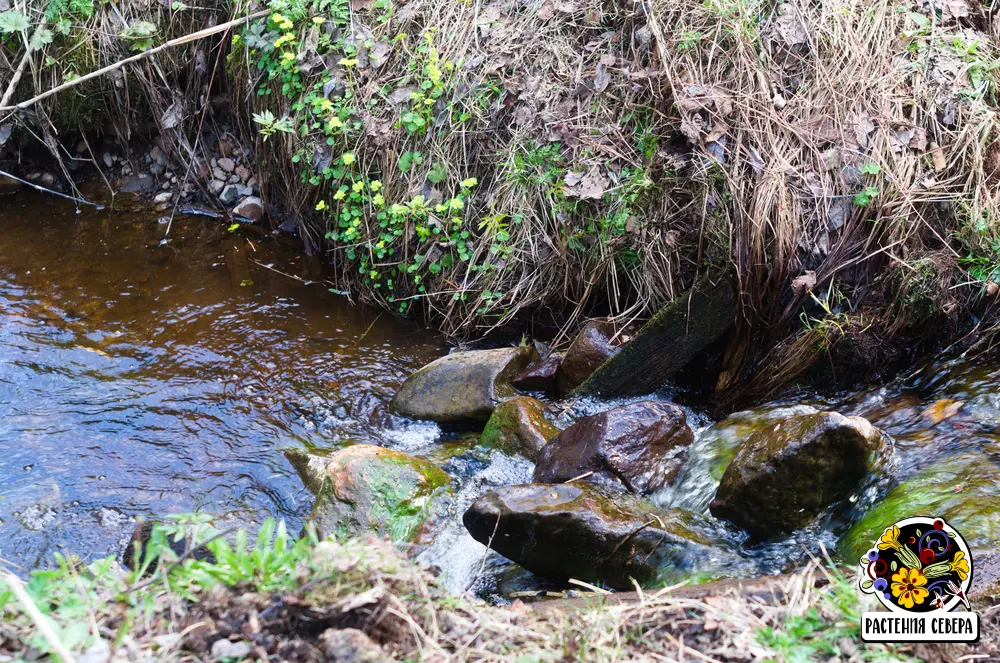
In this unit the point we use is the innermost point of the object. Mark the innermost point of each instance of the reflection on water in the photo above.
(145, 379)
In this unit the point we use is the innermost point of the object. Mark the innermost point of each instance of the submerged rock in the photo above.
(786, 474)
(365, 488)
(961, 489)
(591, 348)
(519, 425)
(540, 376)
(462, 386)
(9, 185)
(578, 530)
(638, 447)
(251, 207)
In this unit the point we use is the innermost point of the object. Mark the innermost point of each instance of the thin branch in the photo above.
(54, 193)
(201, 34)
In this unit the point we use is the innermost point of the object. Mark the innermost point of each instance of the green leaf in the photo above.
(920, 19)
(871, 169)
(438, 173)
(13, 21)
(41, 38)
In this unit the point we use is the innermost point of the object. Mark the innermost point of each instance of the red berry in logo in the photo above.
(927, 556)
(938, 524)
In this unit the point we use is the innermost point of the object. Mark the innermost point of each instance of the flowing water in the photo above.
(139, 377)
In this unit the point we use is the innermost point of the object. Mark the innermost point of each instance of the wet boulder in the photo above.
(519, 425)
(638, 447)
(578, 530)
(541, 375)
(251, 208)
(786, 474)
(720, 442)
(591, 348)
(962, 490)
(365, 488)
(462, 386)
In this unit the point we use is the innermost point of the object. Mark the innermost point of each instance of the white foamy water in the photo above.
(454, 551)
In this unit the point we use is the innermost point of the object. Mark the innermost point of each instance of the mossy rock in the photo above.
(365, 488)
(519, 425)
(720, 442)
(964, 490)
(463, 386)
(579, 530)
(786, 474)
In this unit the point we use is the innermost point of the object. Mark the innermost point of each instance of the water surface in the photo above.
(145, 378)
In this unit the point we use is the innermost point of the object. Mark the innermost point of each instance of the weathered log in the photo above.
(666, 343)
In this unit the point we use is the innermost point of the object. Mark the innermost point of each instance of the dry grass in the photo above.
(812, 615)
(621, 149)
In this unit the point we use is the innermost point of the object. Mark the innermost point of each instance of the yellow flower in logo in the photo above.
(890, 539)
(960, 565)
(908, 586)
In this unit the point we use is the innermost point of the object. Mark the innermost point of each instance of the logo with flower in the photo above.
(918, 565)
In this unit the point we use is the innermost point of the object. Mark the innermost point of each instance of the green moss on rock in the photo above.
(963, 490)
(366, 488)
(519, 425)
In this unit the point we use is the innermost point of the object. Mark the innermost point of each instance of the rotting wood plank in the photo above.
(666, 343)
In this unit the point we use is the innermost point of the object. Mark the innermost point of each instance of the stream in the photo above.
(142, 378)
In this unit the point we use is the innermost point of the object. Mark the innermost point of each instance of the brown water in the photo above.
(140, 378)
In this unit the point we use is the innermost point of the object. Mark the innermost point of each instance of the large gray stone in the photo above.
(462, 386)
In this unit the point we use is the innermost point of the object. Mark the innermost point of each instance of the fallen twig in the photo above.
(37, 187)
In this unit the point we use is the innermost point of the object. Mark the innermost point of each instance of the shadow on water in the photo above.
(145, 379)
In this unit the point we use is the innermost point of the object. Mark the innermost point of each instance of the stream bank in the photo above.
(140, 379)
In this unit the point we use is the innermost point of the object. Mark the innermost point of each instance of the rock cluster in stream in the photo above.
(590, 513)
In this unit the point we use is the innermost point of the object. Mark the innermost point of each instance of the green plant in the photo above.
(823, 630)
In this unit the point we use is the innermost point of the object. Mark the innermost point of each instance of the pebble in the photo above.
(234, 179)
(155, 169)
(219, 174)
(216, 186)
(231, 194)
(163, 197)
(108, 161)
(227, 165)
(232, 651)
(243, 172)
